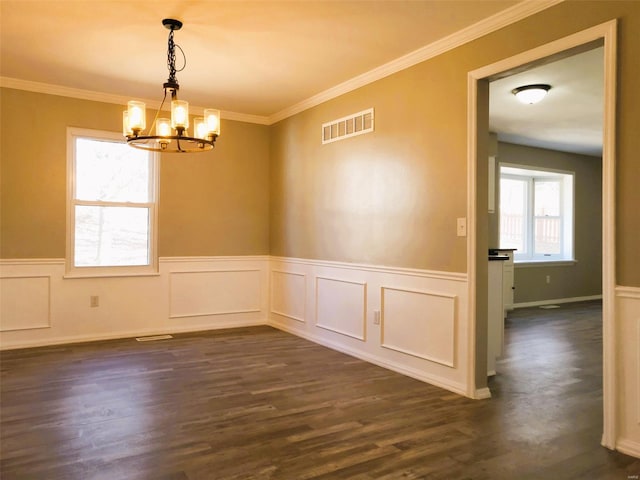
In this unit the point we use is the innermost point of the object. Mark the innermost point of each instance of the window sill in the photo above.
(544, 263)
(110, 272)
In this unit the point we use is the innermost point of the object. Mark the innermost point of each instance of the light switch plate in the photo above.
(461, 227)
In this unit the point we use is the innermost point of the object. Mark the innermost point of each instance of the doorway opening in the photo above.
(478, 242)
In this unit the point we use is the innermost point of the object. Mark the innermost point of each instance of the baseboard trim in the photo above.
(628, 447)
(418, 375)
(130, 334)
(557, 300)
(482, 393)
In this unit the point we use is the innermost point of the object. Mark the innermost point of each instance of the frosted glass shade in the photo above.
(126, 130)
(136, 116)
(200, 128)
(163, 127)
(531, 94)
(180, 114)
(212, 120)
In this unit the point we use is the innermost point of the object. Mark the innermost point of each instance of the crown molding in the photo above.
(241, 117)
(49, 89)
(508, 16)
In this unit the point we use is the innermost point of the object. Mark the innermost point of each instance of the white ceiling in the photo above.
(568, 119)
(255, 57)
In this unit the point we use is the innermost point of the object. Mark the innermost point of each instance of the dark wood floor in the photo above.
(257, 403)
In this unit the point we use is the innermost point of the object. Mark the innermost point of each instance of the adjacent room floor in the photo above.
(257, 403)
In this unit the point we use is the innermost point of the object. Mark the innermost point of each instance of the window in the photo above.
(111, 207)
(536, 213)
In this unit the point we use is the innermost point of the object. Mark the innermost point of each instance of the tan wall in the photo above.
(585, 277)
(217, 203)
(392, 197)
(210, 204)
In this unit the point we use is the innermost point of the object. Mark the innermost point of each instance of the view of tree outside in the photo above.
(113, 184)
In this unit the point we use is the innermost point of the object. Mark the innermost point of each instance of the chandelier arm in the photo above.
(159, 110)
(154, 143)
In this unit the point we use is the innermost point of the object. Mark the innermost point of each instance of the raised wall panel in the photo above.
(188, 294)
(288, 294)
(419, 323)
(627, 313)
(341, 306)
(214, 292)
(24, 303)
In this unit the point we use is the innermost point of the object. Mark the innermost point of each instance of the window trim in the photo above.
(72, 271)
(567, 215)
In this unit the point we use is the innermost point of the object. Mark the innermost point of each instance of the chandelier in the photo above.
(171, 135)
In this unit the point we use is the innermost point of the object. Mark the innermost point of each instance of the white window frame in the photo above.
(73, 271)
(566, 180)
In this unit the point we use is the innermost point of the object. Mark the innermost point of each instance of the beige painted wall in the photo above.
(217, 203)
(210, 204)
(585, 277)
(392, 197)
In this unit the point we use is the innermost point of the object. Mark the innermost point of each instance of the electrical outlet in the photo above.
(376, 317)
(548, 278)
(94, 301)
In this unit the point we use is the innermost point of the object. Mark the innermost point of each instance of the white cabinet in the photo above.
(500, 301)
(495, 314)
(508, 277)
(508, 281)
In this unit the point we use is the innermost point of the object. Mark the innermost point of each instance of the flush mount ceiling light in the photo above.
(531, 93)
(171, 135)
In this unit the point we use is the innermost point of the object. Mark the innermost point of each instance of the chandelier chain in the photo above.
(171, 59)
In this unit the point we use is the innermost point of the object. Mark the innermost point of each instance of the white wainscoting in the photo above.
(288, 292)
(423, 332)
(628, 380)
(25, 302)
(423, 314)
(40, 307)
(419, 323)
(341, 306)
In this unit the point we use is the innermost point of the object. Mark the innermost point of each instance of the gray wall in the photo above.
(584, 278)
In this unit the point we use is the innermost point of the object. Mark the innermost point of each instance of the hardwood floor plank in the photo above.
(257, 403)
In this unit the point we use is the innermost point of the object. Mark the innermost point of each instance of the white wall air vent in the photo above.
(349, 126)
